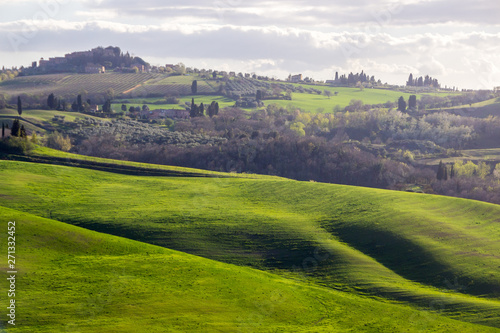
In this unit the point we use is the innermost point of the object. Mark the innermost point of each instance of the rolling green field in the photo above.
(74, 280)
(483, 109)
(140, 86)
(427, 252)
(475, 155)
(42, 120)
(321, 103)
(206, 100)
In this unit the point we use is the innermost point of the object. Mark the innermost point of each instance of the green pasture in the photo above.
(420, 250)
(74, 280)
(206, 100)
(42, 120)
(321, 103)
(491, 155)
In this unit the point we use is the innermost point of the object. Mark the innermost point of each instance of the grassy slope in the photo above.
(38, 120)
(314, 102)
(74, 280)
(483, 109)
(139, 84)
(206, 100)
(486, 155)
(66, 158)
(408, 247)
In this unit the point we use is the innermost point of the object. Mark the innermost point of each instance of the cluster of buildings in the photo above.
(86, 56)
(295, 78)
(164, 113)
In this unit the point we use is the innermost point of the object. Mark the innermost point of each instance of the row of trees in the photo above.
(17, 129)
(412, 103)
(352, 79)
(199, 110)
(467, 169)
(426, 81)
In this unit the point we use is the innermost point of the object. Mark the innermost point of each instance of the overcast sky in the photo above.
(456, 41)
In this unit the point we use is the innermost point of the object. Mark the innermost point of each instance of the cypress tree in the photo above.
(441, 171)
(79, 102)
(412, 102)
(211, 109)
(107, 106)
(410, 81)
(194, 87)
(51, 101)
(194, 109)
(259, 95)
(452, 172)
(15, 128)
(19, 106)
(3, 130)
(401, 104)
(216, 108)
(22, 132)
(201, 110)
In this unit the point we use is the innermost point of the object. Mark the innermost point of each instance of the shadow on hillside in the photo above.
(411, 261)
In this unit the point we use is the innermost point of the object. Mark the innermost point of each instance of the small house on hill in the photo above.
(163, 113)
(94, 69)
(296, 78)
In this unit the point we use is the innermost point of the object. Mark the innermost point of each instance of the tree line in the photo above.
(421, 81)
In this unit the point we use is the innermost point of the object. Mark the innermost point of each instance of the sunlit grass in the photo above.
(74, 280)
(418, 249)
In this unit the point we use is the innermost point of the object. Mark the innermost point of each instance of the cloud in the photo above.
(385, 37)
(317, 12)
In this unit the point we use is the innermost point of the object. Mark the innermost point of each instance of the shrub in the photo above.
(16, 145)
(172, 100)
(58, 141)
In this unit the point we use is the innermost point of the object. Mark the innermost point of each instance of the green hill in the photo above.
(42, 121)
(138, 87)
(484, 109)
(432, 252)
(74, 280)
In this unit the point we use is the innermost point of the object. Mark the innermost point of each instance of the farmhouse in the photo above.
(140, 67)
(94, 108)
(296, 78)
(163, 113)
(94, 69)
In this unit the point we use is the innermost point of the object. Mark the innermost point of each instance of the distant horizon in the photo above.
(453, 41)
(232, 70)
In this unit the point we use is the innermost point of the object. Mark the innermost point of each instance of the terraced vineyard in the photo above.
(67, 85)
(173, 85)
(31, 84)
